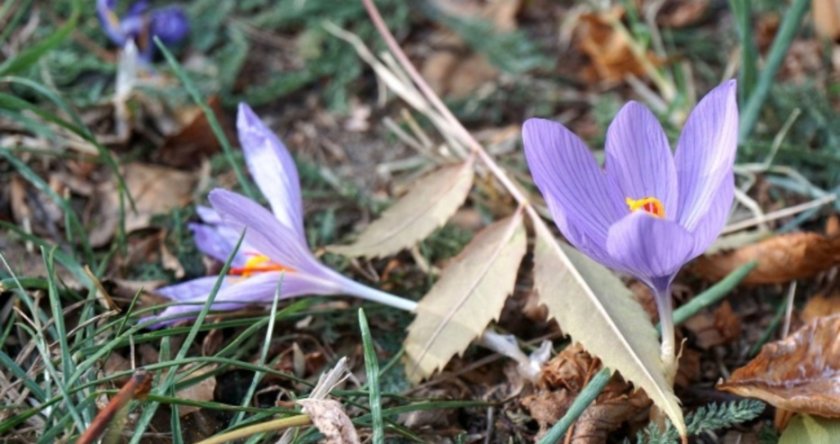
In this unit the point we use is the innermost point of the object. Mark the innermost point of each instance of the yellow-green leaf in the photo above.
(811, 430)
(470, 293)
(427, 206)
(595, 308)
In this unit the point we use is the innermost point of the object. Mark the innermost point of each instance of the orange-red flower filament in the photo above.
(257, 264)
(649, 205)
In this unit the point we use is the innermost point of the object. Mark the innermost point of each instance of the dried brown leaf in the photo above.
(715, 328)
(800, 373)
(826, 14)
(330, 419)
(427, 206)
(610, 54)
(155, 190)
(595, 308)
(781, 259)
(819, 306)
(195, 140)
(470, 293)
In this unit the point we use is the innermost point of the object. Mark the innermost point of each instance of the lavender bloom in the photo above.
(169, 24)
(274, 254)
(647, 212)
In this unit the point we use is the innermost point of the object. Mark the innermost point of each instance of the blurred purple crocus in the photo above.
(648, 211)
(274, 255)
(141, 24)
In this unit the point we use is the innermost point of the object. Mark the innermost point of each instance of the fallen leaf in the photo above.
(711, 329)
(426, 206)
(560, 383)
(195, 139)
(595, 308)
(800, 373)
(819, 306)
(609, 51)
(470, 293)
(826, 14)
(682, 13)
(330, 419)
(203, 390)
(155, 189)
(781, 259)
(811, 430)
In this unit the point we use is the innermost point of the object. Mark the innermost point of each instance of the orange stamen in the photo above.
(257, 264)
(649, 205)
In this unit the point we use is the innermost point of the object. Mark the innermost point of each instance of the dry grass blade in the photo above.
(597, 310)
(427, 206)
(800, 373)
(470, 294)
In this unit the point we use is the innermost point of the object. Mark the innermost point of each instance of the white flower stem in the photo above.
(378, 296)
(501, 344)
(668, 349)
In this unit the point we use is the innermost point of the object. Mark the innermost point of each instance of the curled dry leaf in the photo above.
(610, 53)
(800, 373)
(331, 421)
(780, 259)
(597, 310)
(560, 383)
(427, 206)
(470, 293)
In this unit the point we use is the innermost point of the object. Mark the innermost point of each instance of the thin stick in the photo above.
(778, 214)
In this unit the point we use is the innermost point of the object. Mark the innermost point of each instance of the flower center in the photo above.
(650, 205)
(257, 263)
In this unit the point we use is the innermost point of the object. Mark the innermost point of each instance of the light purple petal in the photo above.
(213, 243)
(712, 223)
(191, 289)
(272, 167)
(577, 191)
(257, 290)
(208, 215)
(649, 247)
(264, 232)
(169, 24)
(109, 21)
(639, 159)
(706, 152)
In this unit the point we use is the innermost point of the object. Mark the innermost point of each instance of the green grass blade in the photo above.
(778, 50)
(263, 356)
(749, 56)
(372, 371)
(33, 53)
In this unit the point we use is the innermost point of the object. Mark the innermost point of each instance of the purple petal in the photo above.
(169, 24)
(272, 167)
(639, 159)
(708, 229)
(259, 289)
(109, 21)
(649, 247)
(208, 215)
(577, 191)
(213, 242)
(191, 289)
(706, 152)
(264, 232)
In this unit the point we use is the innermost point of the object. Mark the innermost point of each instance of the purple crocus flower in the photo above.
(648, 211)
(140, 24)
(274, 254)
